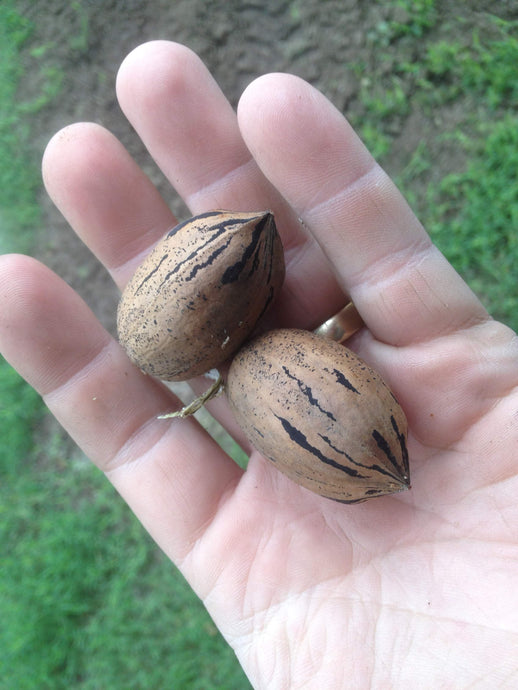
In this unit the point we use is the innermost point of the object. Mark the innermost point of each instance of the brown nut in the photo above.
(200, 292)
(320, 414)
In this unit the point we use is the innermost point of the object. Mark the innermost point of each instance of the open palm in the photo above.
(419, 590)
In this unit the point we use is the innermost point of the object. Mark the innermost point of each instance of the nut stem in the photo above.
(198, 402)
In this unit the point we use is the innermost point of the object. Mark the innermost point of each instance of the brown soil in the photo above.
(238, 40)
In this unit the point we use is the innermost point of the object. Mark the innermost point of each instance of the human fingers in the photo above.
(104, 195)
(109, 201)
(171, 473)
(191, 130)
(113, 207)
(403, 287)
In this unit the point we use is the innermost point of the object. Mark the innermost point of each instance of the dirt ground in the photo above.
(318, 40)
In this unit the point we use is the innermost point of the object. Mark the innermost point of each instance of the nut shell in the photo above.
(200, 292)
(321, 415)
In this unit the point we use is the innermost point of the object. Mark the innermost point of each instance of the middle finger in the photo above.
(191, 130)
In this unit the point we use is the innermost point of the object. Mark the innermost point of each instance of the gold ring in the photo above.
(342, 325)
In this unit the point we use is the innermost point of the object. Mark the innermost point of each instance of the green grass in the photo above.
(20, 408)
(90, 601)
(471, 212)
(474, 218)
(18, 182)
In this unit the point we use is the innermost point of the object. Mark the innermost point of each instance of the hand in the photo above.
(415, 590)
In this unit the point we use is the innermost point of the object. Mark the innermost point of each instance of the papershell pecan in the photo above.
(320, 414)
(200, 292)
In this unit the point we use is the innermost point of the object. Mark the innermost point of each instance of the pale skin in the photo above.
(416, 590)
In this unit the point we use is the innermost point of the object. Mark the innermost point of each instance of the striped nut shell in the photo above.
(200, 292)
(320, 414)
